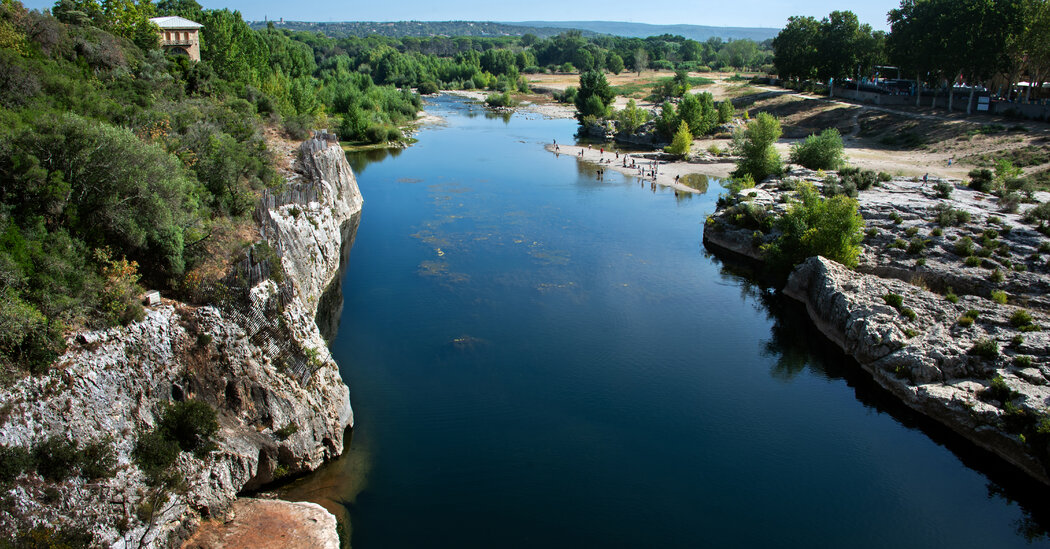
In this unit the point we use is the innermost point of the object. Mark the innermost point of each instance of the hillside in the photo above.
(642, 30)
(400, 29)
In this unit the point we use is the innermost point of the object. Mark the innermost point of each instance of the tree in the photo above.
(594, 96)
(614, 63)
(839, 47)
(795, 48)
(725, 111)
(641, 60)
(682, 142)
(698, 110)
(814, 226)
(755, 146)
(668, 120)
(631, 117)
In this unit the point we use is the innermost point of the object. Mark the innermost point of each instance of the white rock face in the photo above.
(114, 383)
(929, 361)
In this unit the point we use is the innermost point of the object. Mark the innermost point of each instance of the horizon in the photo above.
(742, 14)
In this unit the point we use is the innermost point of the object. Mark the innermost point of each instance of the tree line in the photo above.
(989, 43)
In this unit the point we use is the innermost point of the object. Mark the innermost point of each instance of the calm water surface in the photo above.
(540, 359)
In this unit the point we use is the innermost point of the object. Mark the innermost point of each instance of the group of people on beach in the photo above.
(646, 170)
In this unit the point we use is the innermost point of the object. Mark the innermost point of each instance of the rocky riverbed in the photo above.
(946, 309)
(262, 364)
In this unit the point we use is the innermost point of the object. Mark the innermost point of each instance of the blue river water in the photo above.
(540, 359)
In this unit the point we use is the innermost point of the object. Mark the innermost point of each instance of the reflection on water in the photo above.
(537, 358)
(360, 160)
(698, 181)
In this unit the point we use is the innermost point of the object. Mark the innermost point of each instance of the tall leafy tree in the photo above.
(594, 96)
(795, 48)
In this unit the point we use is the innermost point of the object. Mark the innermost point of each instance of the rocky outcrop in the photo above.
(269, 524)
(263, 365)
(946, 309)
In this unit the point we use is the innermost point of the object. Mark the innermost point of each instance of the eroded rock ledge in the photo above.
(283, 407)
(923, 350)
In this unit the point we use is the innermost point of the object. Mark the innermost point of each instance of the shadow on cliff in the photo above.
(797, 345)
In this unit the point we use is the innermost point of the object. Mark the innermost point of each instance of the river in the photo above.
(540, 359)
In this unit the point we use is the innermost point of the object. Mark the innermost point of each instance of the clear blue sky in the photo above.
(736, 13)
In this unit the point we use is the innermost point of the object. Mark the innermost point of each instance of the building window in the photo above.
(167, 36)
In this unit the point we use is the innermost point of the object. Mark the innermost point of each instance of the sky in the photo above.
(737, 13)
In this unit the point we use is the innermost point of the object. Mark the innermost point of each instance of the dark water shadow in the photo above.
(360, 160)
(797, 345)
(330, 304)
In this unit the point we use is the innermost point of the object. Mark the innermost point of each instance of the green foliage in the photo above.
(982, 180)
(155, 453)
(944, 189)
(964, 247)
(682, 142)
(668, 122)
(699, 112)
(500, 100)
(999, 297)
(191, 424)
(823, 152)
(594, 96)
(894, 300)
(1020, 318)
(812, 226)
(985, 348)
(631, 117)
(14, 460)
(759, 158)
(725, 111)
(997, 388)
(965, 321)
(288, 430)
(56, 458)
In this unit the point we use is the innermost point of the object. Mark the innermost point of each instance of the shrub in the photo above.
(999, 297)
(56, 459)
(885, 177)
(98, 460)
(14, 460)
(972, 313)
(998, 390)
(973, 261)
(1020, 318)
(154, 454)
(428, 88)
(500, 100)
(682, 142)
(823, 152)
(937, 232)
(911, 231)
(951, 297)
(944, 189)
(985, 348)
(964, 246)
(965, 321)
(861, 179)
(896, 218)
(908, 313)
(299, 127)
(1038, 214)
(758, 157)
(288, 430)
(981, 179)
(946, 216)
(191, 424)
(916, 246)
(997, 276)
(894, 300)
(813, 226)
(1023, 361)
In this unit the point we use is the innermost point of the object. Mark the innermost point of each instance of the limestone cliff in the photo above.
(263, 364)
(947, 309)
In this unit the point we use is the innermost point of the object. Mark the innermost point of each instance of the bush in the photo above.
(154, 453)
(998, 389)
(299, 127)
(964, 247)
(972, 261)
(894, 300)
(965, 321)
(999, 297)
(985, 348)
(944, 189)
(98, 460)
(14, 460)
(191, 424)
(982, 179)
(500, 100)
(682, 142)
(56, 458)
(946, 216)
(823, 152)
(816, 226)
(758, 157)
(1020, 318)
(428, 88)
(288, 430)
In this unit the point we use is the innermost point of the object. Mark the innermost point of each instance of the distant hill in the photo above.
(400, 29)
(643, 30)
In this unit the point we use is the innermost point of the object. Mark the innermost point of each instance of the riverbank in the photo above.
(962, 342)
